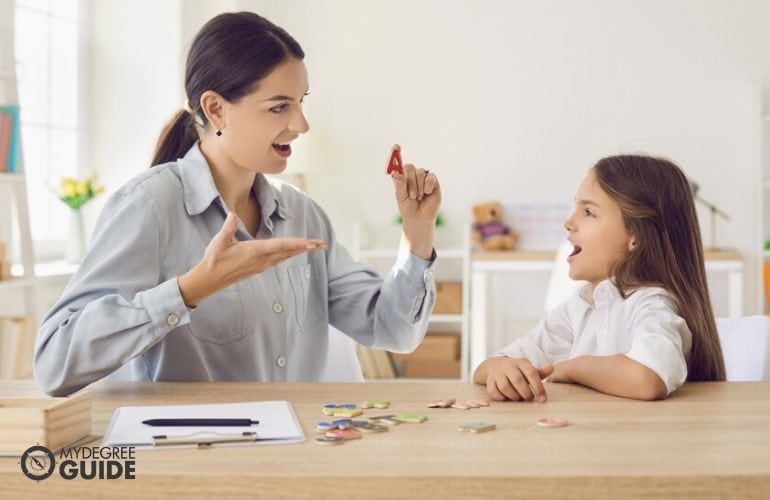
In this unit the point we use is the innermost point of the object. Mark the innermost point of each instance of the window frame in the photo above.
(53, 249)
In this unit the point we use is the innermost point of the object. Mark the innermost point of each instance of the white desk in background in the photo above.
(484, 264)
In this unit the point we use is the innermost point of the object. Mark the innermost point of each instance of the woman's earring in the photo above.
(219, 133)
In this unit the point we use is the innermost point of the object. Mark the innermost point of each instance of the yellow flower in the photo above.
(81, 188)
(99, 189)
(69, 189)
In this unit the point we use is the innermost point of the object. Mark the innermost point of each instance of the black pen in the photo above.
(200, 422)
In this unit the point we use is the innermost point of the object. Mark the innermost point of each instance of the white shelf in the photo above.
(12, 177)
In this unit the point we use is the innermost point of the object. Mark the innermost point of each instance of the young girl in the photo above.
(643, 323)
(204, 269)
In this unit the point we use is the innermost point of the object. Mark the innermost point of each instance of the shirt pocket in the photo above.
(302, 285)
(219, 318)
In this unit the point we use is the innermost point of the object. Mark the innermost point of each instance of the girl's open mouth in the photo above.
(576, 250)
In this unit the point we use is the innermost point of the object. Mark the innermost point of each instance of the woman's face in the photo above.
(260, 127)
(597, 231)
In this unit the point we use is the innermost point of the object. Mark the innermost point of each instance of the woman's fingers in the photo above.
(411, 180)
(431, 182)
(420, 178)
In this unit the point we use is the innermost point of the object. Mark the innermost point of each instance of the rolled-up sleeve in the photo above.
(116, 306)
(389, 313)
(660, 340)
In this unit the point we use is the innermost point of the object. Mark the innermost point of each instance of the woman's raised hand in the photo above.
(418, 195)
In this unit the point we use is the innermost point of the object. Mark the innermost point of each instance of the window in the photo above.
(48, 71)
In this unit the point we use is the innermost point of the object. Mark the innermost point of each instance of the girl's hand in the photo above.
(515, 379)
(561, 373)
(227, 261)
(418, 195)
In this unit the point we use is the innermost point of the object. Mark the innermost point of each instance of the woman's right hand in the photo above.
(227, 261)
(513, 378)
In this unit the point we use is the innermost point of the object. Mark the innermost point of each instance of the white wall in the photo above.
(515, 100)
(134, 54)
(509, 100)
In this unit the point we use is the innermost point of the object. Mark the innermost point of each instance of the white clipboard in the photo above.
(278, 424)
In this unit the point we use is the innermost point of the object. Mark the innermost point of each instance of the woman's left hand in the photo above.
(418, 195)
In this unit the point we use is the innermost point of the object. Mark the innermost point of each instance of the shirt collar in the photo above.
(200, 190)
(605, 291)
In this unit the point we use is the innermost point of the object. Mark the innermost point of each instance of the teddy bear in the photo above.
(489, 230)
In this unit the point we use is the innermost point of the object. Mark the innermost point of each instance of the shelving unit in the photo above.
(387, 256)
(18, 302)
(764, 197)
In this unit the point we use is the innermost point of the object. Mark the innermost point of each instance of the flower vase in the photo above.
(76, 238)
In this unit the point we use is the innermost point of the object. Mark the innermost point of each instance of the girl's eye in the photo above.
(279, 108)
(589, 213)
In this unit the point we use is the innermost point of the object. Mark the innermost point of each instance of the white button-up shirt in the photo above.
(123, 311)
(599, 322)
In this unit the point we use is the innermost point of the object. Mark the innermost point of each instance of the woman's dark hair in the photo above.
(656, 200)
(229, 55)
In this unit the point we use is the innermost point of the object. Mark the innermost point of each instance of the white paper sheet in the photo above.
(277, 423)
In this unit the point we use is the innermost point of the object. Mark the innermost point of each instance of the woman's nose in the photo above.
(299, 123)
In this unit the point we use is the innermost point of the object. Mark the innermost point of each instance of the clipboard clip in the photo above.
(203, 439)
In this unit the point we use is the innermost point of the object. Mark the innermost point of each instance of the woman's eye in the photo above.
(280, 108)
(589, 213)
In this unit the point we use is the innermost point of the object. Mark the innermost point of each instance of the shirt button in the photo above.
(172, 319)
(602, 324)
(277, 308)
(428, 275)
(281, 361)
(307, 273)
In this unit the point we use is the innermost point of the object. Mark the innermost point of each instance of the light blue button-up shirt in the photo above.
(123, 309)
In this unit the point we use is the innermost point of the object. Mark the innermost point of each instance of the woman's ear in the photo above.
(632, 243)
(213, 106)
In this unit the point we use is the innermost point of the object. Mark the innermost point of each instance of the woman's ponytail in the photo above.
(177, 136)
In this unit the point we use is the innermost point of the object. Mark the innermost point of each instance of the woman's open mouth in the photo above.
(283, 150)
(576, 250)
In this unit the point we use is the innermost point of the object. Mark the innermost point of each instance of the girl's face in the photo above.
(260, 127)
(597, 232)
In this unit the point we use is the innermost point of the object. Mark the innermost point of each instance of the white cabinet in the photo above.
(374, 252)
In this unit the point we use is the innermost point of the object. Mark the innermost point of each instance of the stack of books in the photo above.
(46, 421)
(10, 143)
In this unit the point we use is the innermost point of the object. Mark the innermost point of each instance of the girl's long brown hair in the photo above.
(656, 200)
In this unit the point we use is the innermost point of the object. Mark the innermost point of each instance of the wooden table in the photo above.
(707, 440)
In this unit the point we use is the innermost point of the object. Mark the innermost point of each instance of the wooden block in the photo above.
(449, 297)
(51, 422)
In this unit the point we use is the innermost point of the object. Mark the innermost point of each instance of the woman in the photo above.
(202, 268)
